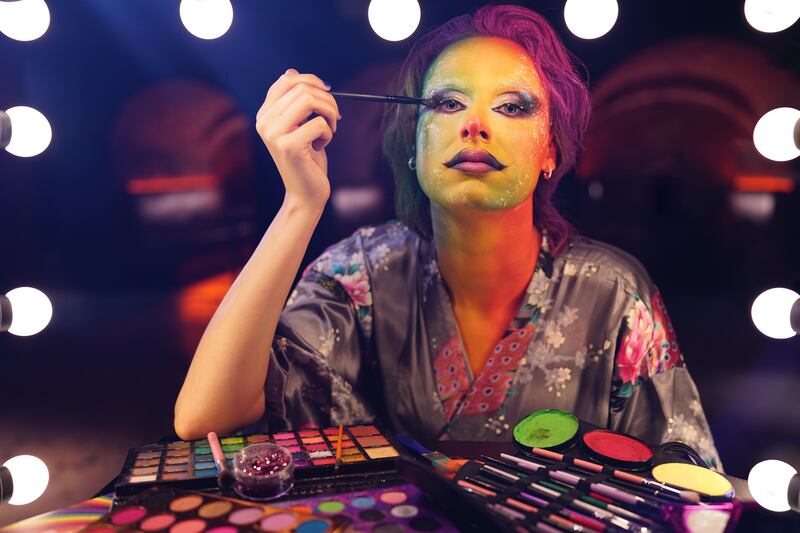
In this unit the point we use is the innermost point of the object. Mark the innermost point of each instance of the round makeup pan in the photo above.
(552, 429)
(693, 477)
(617, 449)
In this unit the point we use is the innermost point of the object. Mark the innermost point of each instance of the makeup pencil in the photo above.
(224, 476)
(339, 448)
(687, 495)
(389, 99)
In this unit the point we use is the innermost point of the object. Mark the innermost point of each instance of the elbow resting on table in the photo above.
(196, 425)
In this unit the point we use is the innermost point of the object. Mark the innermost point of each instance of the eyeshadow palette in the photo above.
(179, 511)
(387, 510)
(189, 464)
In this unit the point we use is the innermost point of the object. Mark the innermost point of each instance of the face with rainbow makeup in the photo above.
(488, 139)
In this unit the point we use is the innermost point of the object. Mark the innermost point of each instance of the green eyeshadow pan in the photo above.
(548, 428)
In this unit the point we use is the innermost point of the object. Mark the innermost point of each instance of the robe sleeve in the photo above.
(653, 396)
(319, 369)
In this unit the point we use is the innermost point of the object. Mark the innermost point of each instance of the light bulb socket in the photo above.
(793, 493)
(794, 316)
(5, 313)
(6, 484)
(5, 129)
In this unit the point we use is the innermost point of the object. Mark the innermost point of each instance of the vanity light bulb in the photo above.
(394, 20)
(24, 20)
(768, 482)
(31, 311)
(590, 19)
(30, 131)
(774, 134)
(772, 310)
(206, 19)
(771, 16)
(30, 477)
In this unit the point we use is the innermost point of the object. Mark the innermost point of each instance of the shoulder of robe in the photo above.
(368, 250)
(606, 263)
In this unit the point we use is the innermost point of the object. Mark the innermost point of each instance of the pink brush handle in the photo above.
(216, 452)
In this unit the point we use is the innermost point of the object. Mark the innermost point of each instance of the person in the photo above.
(480, 304)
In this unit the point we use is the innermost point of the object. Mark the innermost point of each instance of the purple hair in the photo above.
(569, 109)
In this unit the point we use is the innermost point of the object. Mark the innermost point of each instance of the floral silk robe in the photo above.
(369, 332)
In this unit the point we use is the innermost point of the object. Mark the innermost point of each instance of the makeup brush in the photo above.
(339, 448)
(389, 99)
(224, 476)
(686, 495)
(439, 460)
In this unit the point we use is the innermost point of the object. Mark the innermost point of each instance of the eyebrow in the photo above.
(455, 85)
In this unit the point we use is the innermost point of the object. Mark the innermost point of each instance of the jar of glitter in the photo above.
(263, 471)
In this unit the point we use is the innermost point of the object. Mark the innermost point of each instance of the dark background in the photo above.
(134, 272)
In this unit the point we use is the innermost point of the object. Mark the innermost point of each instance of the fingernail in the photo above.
(327, 85)
(340, 117)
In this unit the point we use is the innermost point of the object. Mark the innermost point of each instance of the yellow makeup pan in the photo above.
(692, 477)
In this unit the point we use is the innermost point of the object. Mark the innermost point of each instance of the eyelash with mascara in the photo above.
(441, 98)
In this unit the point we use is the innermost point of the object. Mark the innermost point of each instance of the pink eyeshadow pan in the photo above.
(287, 442)
(320, 462)
(316, 447)
(294, 449)
(331, 431)
(283, 436)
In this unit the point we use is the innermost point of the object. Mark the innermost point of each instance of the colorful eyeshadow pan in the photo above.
(382, 453)
(368, 442)
(128, 516)
(188, 526)
(214, 509)
(278, 522)
(617, 449)
(694, 478)
(187, 503)
(548, 428)
(157, 522)
(245, 516)
(363, 431)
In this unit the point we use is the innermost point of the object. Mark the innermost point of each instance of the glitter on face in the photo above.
(493, 83)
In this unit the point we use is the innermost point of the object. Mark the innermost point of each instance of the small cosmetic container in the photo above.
(263, 471)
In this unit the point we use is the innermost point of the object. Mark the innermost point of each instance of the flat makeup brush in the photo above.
(427, 102)
(438, 460)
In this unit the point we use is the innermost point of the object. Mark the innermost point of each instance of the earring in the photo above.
(412, 162)
(547, 174)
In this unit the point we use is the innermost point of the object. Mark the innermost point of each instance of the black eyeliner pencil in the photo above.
(389, 99)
